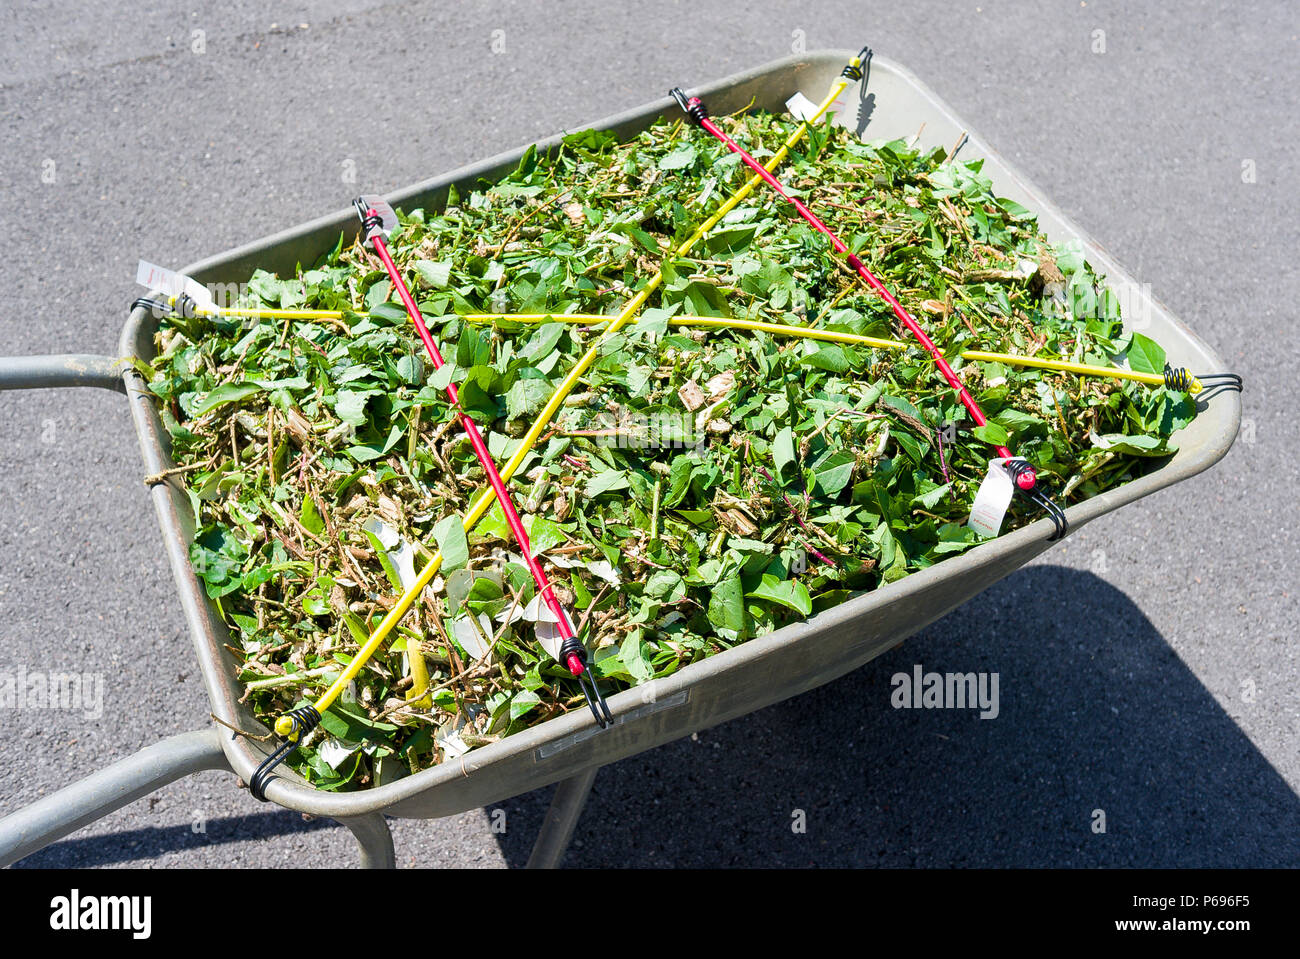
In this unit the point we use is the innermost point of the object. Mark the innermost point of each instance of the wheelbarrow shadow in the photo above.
(149, 843)
(1098, 717)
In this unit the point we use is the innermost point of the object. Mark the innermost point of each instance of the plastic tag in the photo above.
(801, 107)
(154, 277)
(992, 500)
(387, 218)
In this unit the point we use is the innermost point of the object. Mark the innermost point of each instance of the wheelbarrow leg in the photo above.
(557, 828)
(375, 839)
(36, 826)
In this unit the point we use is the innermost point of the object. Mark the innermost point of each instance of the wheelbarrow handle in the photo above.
(52, 817)
(67, 369)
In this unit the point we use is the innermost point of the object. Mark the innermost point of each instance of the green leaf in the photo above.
(493, 525)
(1145, 355)
(310, 517)
(666, 584)
(1019, 423)
(789, 593)
(523, 702)
(543, 342)
(679, 159)
(606, 481)
(229, 393)
(527, 396)
(411, 369)
(443, 376)
(364, 453)
(829, 357)
(477, 402)
(543, 533)
(434, 274)
(727, 605)
(472, 349)
(992, 433)
(345, 723)
(1136, 445)
(955, 537)
(390, 571)
(450, 534)
(386, 311)
(315, 604)
(679, 478)
(834, 471)
(783, 448)
(632, 653)
(350, 405)
(378, 294)
(933, 498)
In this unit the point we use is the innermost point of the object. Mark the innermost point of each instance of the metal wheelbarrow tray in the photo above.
(892, 103)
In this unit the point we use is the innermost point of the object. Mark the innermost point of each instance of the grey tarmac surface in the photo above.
(1148, 665)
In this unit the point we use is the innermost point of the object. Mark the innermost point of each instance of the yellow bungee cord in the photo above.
(1175, 378)
(1193, 385)
(186, 305)
(294, 723)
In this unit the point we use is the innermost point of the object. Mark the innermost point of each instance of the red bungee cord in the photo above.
(1021, 472)
(695, 109)
(572, 653)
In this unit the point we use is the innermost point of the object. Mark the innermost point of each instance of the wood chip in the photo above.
(298, 427)
(691, 395)
(720, 385)
(389, 510)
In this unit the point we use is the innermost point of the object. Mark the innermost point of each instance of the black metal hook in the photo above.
(1229, 381)
(184, 306)
(1019, 467)
(370, 222)
(570, 650)
(1054, 512)
(851, 72)
(594, 699)
(693, 107)
(1179, 378)
(157, 307)
(304, 719)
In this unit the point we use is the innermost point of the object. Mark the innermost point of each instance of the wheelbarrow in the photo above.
(889, 103)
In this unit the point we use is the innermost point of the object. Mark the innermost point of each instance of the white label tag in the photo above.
(992, 500)
(158, 278)
(387, 218)
(801, 107)
(154, 277)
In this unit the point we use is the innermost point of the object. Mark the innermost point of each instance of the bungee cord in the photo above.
(1178, 379)
(1023, 475)
(572, 654)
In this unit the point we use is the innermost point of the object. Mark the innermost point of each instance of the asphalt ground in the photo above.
(1148, 664)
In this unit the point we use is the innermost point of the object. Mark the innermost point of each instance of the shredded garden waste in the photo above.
(702, 486)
